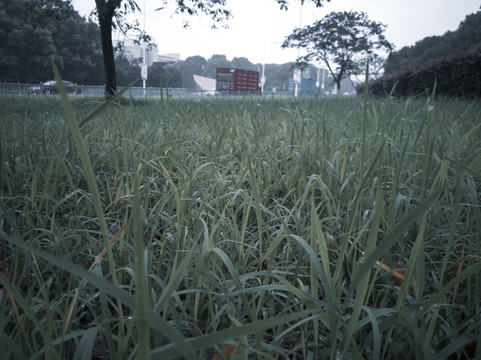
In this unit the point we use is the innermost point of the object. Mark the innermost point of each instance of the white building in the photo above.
(136, 51)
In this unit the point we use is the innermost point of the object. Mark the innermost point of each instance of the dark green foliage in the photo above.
(78, 44)
(126, 71)
(35, 33)
(451, 63)
(191, 66)
(466, 37)
(243, 63)
(164, 75)
(215, 61)
(277, 76)
(458, 74)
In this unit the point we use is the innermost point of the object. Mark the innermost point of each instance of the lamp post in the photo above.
(297, 80)
(143, 68)
(263, 77)
(297, 72)
(320, 85)
(145, 65)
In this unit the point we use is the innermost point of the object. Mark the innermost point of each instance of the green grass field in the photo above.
(172, 228)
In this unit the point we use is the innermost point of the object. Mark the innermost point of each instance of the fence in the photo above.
(83, 90)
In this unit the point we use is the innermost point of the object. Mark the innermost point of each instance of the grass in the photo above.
(271, 225)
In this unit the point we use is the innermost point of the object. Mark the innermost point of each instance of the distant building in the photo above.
(136, 51)
(231, 79)
(168, 58)
(311, 79)
(204, 83)
(306, 87)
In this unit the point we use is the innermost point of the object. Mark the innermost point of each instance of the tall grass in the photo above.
(272, 225)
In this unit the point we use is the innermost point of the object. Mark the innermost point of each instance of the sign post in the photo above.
(297, 80)
(143, 72)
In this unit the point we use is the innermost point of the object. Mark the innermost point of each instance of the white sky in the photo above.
(259, 27)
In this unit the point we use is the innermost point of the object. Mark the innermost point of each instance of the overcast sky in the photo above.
(259, 27)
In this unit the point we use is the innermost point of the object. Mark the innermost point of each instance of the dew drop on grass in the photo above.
(365, 215)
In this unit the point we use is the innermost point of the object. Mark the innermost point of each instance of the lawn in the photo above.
(240, 227)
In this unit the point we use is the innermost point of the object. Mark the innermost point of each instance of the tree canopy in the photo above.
(34, 33)
(340, 40)
(214, 62)
(165, 75)
(466, 37)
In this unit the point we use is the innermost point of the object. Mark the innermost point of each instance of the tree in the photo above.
(214, 62)
(126, 71)
(277, 76)
(468, 34)
(196, 64)
(34, 33)
(376, 69)
(165, 75)
(78, 45)
(466, 37)
(26, 44)
(243, 63)
(191, 66)
(340, 41)
(106, 9)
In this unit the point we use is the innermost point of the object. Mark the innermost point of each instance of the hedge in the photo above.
(456, 75)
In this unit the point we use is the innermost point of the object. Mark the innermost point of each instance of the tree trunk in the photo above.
(338, 84)
(106, 14)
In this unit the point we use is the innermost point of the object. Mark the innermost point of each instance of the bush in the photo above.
(458, 75)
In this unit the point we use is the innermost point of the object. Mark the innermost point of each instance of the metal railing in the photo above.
(85, 90)
(38, 89)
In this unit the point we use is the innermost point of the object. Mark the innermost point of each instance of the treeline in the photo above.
(449, 64)
(466, 37)
(458, 74)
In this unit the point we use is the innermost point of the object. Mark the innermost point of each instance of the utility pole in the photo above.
(144, 67)
(297, 73)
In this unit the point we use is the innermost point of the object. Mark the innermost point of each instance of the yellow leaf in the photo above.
(228, 351)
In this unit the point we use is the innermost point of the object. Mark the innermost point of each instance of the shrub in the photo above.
(458, 75)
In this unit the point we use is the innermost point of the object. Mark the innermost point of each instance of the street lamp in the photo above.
(297, 72)
(297, 80)
(263, 77)
(144, 66)
(320, 85)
